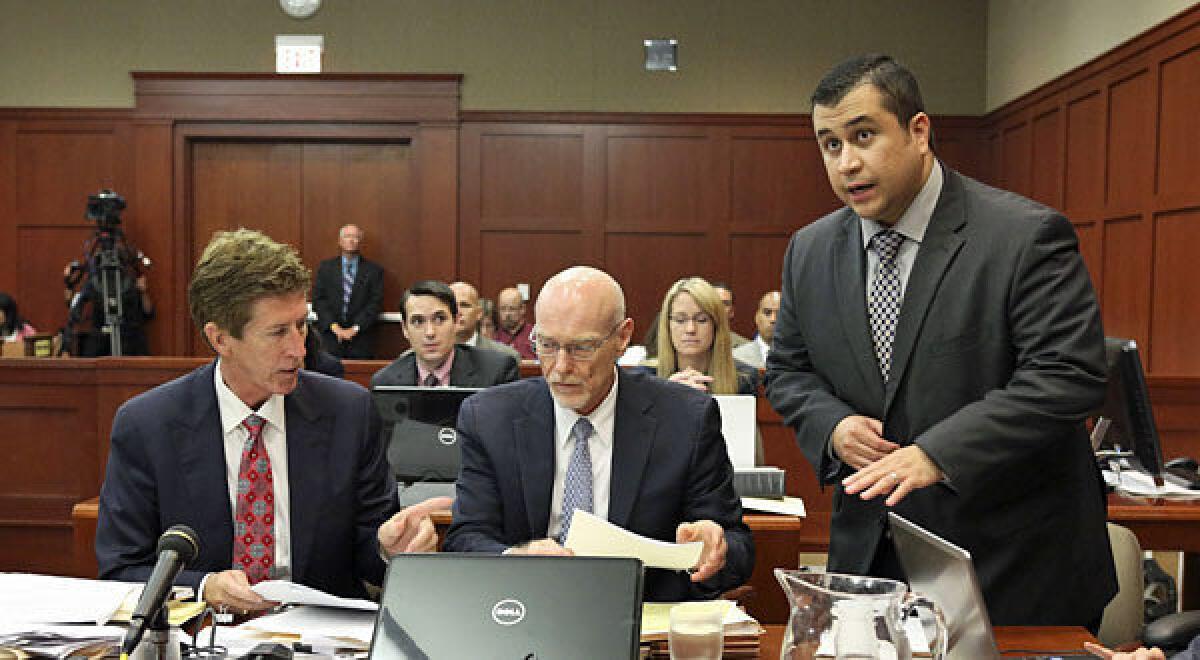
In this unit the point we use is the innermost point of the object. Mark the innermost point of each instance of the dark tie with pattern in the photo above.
(577, 488)
(432, 380)
(347, 286)
(254, 515)
(883, 301)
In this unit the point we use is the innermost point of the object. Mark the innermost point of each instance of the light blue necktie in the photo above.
(577, 489)
(883, 303)
(347, 286)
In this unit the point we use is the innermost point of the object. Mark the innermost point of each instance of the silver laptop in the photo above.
(944, 572)
(494, 606)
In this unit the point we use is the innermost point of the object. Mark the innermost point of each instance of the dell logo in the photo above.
(508, 612)
(447, 436)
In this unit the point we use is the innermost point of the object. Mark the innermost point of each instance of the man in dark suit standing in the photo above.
(644, 453)
(937, 350)
(279, 470)
(430, 312)
(347, 298)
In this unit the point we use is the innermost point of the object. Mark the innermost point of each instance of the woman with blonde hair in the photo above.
(694, 345)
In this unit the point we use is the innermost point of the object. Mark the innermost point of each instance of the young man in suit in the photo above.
(430, 313)
(642, 452)
(470, 312)
(347, 298)
(937, 350)
(278, 470)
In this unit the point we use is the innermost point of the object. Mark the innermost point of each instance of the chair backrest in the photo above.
(1123, 617)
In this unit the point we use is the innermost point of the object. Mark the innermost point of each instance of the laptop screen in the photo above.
(495, 606)
(418, 430)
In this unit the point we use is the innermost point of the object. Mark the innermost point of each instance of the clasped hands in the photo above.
(883, 467)
(712, 558)
(342, 334)
(410, 530)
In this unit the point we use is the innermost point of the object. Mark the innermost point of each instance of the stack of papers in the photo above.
(592, 536)
(29, 598)
(1141, 484)
(743, 634)
(22, 640)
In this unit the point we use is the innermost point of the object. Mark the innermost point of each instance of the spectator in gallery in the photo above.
(726, 295)
(513, 329)
(12, 326)
(347, 297)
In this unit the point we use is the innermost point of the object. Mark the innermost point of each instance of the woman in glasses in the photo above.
(694, 345)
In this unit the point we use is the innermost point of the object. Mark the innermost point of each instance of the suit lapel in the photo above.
(307, 445)
(938, 248)
(408, 368)
(533, 437)
(633, 438)
(462, 372)
(850, 282)
(201, 446)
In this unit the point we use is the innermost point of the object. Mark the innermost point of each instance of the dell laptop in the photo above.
(501, 606)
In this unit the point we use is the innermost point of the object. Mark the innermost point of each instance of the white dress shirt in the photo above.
(912, 225)
(233, 411)
(600, 445)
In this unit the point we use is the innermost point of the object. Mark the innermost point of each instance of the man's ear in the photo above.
(217, 338)
(920, 128)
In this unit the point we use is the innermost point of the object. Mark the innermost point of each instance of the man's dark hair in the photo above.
(435, 288)
(897, 85)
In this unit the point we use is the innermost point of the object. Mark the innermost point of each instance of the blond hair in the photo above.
(720, 354)
(238, 268)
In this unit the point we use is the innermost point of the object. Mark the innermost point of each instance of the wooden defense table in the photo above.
(776, 538)
(1172, 525)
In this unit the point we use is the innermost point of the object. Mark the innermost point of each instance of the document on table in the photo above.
(317, 626)
(595, 537)
(283, 591)
(26, 597)
(792, 506)
(1136, 482)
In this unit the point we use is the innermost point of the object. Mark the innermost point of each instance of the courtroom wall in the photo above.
(577, 55)
(1031, 43)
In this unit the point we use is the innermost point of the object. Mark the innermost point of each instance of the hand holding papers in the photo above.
(596, 537)
(282, 591)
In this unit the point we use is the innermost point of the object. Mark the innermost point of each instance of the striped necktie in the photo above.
(347, 286)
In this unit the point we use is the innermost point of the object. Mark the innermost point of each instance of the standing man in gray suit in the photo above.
(937, 350)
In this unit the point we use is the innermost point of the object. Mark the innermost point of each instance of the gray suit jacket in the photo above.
(473, 367)
(493, 345)
(998, 358)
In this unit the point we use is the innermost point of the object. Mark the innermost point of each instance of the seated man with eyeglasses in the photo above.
(429, 311)
(644, 453)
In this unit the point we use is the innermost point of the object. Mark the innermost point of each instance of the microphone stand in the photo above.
(157, 643)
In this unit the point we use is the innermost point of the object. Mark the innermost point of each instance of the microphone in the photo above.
(177, 547)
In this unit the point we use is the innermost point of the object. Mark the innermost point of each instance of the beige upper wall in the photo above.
(1031, 42)
(568, 55)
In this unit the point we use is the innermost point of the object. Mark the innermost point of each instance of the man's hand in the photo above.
(338, 331)
(858, 441)
(546, 547)
(232, 590)
(1140, 654)
(692, 378)
(142, 283)
(412, 530)
(712, 559)
(899, 473)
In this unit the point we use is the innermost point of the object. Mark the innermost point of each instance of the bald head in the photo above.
(350, 239)
(510, 309)
(469, 311)
(586, 288)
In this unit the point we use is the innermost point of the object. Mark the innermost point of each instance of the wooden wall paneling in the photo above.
(1130, 141)
(531, 257)
(40, 282)
(960, 144)
(1125, 301)
(647, 264)
(995, 170)
(150, 213)
(1085, 154)
(757, 267)
(1017, 153)
(9, 264)
(659, 179)
(1175, 312)
(437, 168)
(1046, 170)
(532, 181)
(777, 181)
(1177, 414)
(1178, 140)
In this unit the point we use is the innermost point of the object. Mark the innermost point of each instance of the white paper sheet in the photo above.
(282, 591)
(1136, 482)
(30, 598)
(595, 537)
(792, 506)
(738, 426)
(317, 626)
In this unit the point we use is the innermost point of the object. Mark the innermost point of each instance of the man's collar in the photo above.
(566, 418)
(915, 219)
(233, 410)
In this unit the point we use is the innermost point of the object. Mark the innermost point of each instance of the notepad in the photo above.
(593, 536)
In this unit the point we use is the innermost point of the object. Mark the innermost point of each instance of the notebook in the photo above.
(497, 606)
(942, 571)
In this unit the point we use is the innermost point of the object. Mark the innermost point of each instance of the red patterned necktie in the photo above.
(254, 515)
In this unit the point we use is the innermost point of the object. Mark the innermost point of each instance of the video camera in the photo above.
(104, 208)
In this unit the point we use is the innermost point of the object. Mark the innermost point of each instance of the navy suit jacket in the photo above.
(669, 466)
(998, 357)
(473, 367)
(166, 466)
(366, 301)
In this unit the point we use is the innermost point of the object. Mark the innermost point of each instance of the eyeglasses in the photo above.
(580, 351)
(700, 319)
(510, 308)
(437, 320)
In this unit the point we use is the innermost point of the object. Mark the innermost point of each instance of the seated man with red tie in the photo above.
(278, 470)
(429, 311)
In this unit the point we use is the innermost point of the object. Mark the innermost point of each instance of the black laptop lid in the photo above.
(494, 606)
(418, 430)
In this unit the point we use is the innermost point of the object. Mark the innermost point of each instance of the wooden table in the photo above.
(1165, 525)
(776, 539)
(1023, 640)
